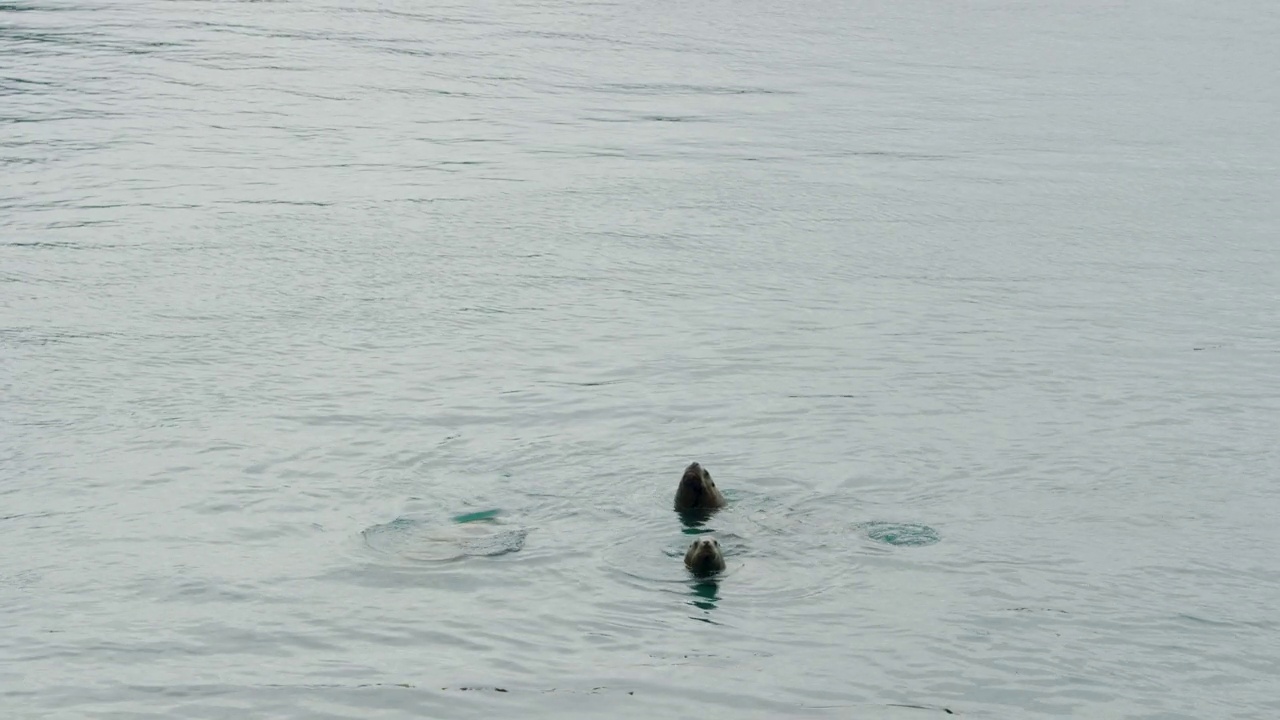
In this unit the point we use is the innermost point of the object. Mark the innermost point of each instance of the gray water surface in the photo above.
(973, 309)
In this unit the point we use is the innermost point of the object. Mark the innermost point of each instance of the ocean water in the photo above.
(350, 354)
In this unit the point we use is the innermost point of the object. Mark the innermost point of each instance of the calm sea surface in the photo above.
(973, 309)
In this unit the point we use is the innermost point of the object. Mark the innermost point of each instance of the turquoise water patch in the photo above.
(900, 534)
(481, 515)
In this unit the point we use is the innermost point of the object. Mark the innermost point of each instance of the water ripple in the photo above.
(982, 354)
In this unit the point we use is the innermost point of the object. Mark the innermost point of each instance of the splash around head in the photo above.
(704, 556)
(697, 490)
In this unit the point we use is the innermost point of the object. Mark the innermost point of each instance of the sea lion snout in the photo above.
(704, 556)
(692, 476)
(697, 490)
(691, 482)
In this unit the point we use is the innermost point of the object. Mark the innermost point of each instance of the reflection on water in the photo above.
(707, 594)
(695, 521)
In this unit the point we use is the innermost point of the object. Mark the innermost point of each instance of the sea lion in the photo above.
(704, 556)
(697, 490)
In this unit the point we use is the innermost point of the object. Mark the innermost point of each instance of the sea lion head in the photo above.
(697, 490)
(704, 556)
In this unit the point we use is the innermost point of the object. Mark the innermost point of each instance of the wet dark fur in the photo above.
(697, 490)
(704, 556)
